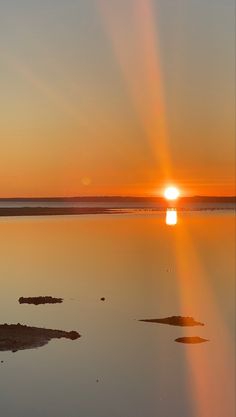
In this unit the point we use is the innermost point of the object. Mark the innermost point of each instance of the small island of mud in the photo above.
(16, 337)
(175, 321)
(191, 339)
(40, 300)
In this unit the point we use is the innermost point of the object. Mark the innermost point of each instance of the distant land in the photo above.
(51, 211)
(58, 206)
(130, 199)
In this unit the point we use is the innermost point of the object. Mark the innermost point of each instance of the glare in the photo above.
(171, 193)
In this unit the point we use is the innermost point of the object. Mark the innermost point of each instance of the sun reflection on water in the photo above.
(171, 217)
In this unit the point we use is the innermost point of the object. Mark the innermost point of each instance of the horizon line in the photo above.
(111, 196)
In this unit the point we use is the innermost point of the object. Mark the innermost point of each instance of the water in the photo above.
(120, 367)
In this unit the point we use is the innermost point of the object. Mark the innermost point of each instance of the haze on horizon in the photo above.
(117, 97)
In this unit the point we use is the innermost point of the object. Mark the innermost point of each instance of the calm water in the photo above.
(120, 367)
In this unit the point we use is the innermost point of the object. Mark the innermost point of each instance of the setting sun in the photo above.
(171, 193)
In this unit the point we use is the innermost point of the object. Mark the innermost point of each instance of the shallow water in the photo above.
(120, 367)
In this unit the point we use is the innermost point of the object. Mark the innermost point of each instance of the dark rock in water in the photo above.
(175, 321)
(191, 340)
(16, 337)
(40, 300)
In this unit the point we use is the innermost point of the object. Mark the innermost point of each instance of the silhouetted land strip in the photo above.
(121, 199)
(52, 211)
(16, 337)
(175, 321)
(40, 300)
(70, 211)
(191, 339)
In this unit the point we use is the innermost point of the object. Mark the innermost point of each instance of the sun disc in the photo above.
(171, 193)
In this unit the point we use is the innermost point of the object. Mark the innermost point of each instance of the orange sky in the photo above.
(100, 100)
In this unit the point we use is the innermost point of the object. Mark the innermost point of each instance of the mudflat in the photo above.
(175, 321)
(191, 339)
(16, 337)
(40, 300)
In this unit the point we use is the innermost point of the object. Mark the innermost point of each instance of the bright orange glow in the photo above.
(171, 193)
(171, 217)
(57, 130)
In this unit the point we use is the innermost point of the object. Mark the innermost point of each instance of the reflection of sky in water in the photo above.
(130, 260)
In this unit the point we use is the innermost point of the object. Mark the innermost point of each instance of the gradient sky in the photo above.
(116, 97)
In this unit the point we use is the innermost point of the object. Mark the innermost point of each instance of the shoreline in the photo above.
(50, 211)
(73, 211)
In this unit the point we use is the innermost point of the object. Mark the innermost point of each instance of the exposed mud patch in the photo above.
(175, 321)
(40, 300)
(191, 340)
(16, 337)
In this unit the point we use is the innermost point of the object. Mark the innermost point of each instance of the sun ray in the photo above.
(138, 57)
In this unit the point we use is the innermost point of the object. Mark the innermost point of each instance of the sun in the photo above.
(171, 193)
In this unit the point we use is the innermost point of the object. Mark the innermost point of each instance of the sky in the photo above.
(117, 97)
